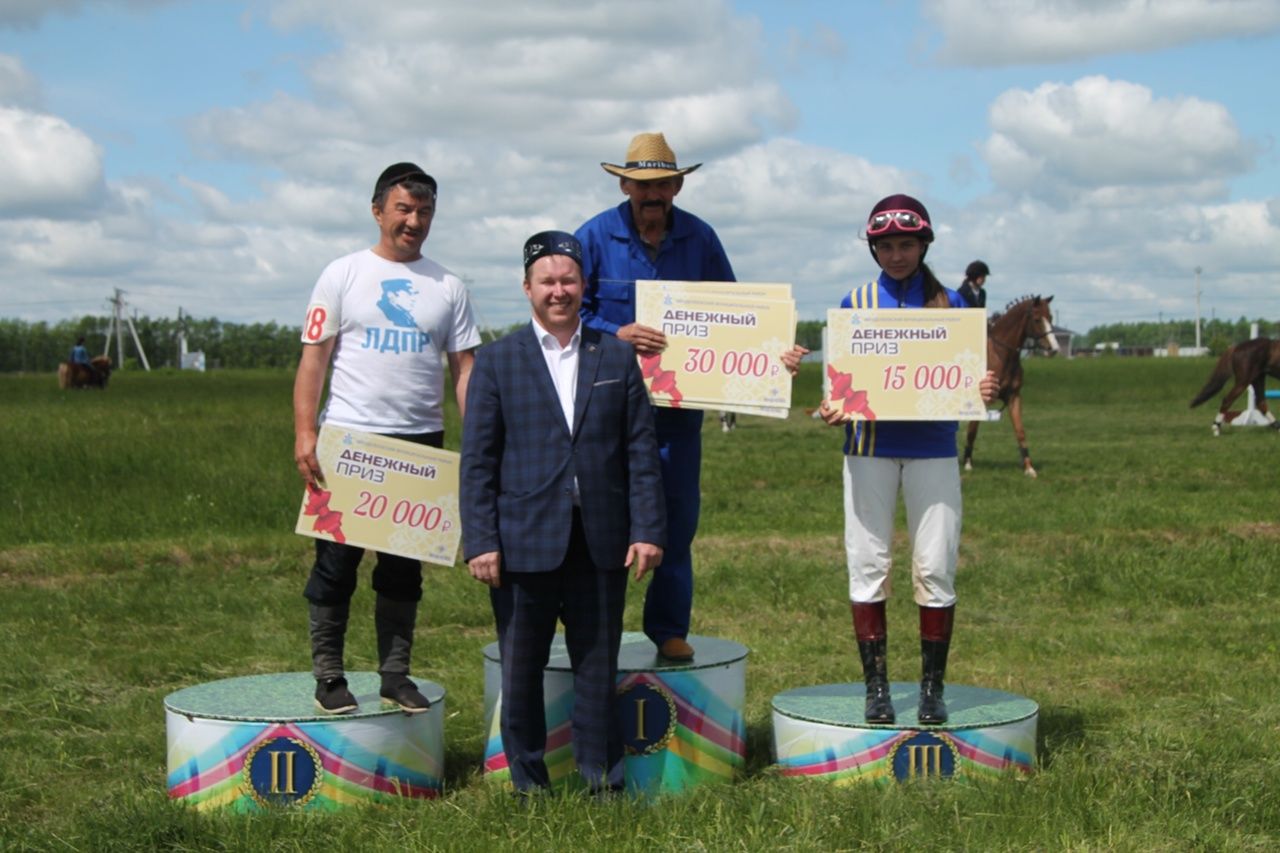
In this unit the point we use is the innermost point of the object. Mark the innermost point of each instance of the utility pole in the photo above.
(1198, 309)
(117, 323)
(117, 307)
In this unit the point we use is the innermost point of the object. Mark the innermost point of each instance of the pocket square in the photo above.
(604, 382)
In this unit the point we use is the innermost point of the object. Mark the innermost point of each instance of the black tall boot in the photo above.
(875, 672)
(933, 669)
(869, 626)
(394, 622)
(935, 643)
(328, 626)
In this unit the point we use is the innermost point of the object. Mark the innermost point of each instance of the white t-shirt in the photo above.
(394, 322)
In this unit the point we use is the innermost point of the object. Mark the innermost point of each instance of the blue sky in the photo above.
(215, 155)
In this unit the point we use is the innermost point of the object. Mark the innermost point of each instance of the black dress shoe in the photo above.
(400, 691)
(333, 696)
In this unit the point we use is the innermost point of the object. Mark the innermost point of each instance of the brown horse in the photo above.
(72, 375)
(1025, 318)
(1250, 363)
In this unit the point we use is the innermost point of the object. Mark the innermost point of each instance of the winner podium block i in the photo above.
(259, 742)
(682, 723)
(820, 732)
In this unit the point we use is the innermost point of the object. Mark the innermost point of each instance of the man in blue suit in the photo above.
(561, 493)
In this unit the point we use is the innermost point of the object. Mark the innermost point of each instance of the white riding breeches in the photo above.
(931, 491)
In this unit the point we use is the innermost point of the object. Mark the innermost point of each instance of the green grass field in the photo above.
(146, 545)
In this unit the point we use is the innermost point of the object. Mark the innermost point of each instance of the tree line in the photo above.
(1215, 334)
(40, 347)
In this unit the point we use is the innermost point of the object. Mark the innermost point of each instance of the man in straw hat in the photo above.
(648, 238)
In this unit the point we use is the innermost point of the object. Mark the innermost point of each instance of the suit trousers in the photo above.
(333, 575)
(589, 601)
(669, 599)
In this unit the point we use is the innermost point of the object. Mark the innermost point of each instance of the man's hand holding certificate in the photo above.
(725, 342)
(918, 364)
(387, 494)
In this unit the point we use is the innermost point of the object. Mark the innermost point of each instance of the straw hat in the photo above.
(649, 158)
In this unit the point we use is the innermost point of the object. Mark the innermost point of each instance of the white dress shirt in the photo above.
(562, 364)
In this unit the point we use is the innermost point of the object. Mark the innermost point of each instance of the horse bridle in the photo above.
(1038, 336)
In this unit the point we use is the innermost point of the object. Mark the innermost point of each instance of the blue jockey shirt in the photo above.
(615, 258)
(899, 439)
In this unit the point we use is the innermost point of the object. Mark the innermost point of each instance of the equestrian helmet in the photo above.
(899, 203)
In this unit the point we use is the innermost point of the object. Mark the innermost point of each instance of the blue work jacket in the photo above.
(615, 258)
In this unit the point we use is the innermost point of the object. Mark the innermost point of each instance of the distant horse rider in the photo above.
(972, 291)
(80, 360)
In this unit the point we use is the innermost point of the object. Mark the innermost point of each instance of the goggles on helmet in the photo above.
(905, 220)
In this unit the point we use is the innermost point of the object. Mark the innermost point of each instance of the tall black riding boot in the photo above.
(933, 666)
(394, 623)
(869, 626)
(875, 671)
(935, 643)
(328, 625)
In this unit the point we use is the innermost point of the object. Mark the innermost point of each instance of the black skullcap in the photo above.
(552, 243)
(398, 173)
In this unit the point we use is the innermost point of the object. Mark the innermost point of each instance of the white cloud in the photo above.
(529, 55)
(470, 84)
(1105, 192)
(211, 201)
(653, 23)
(46, 166)
(1111, 142)
(319, 207)
(18, 87)
(1006, 32)
(26, 14)
(1114, 264)
(511, 106)
(792, 212)
(88, 250)
(821, 42)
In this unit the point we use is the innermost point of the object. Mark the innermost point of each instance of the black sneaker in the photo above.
(333, 697)
(400, 691)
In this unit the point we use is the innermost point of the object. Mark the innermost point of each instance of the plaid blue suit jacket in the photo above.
(519, 457)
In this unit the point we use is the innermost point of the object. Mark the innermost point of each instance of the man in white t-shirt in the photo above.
(378, 324)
